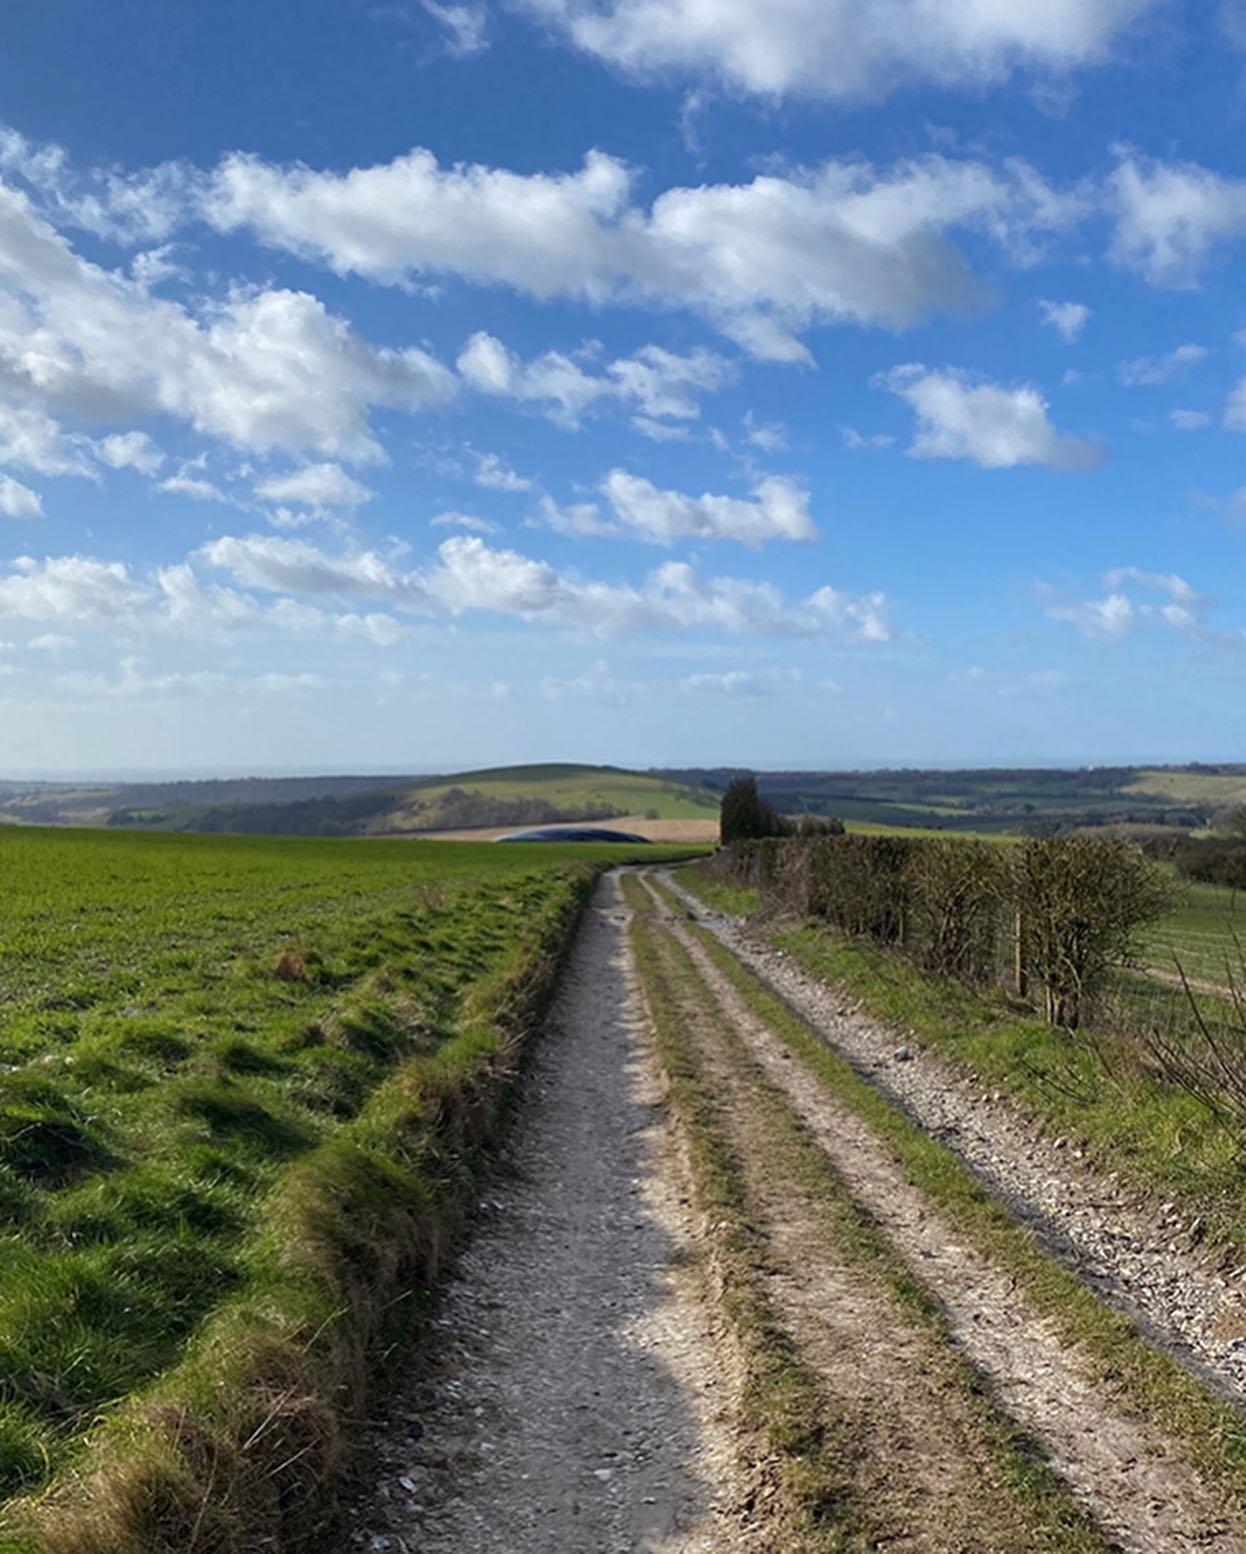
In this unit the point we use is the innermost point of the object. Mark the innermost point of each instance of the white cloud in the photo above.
(1190, 420)
(133, 682)
(960, 417)
(261, 370)
(195, 487)
(52, 642)
(465, 26)
(466, 521)
(859, 441)
(1068, 319)
(318, 486)
(125, 207)
(579, 520)
(1170, 216)
(761, 261)
(17, 500)
(493, 473)
(74, 589)
(130, 450)
(1146, 371)
(769, 436)
(470, 576)
(841, 49)
(1119, 611)
(653, 382)
(780, 511)
(741, 684)
(29, 437)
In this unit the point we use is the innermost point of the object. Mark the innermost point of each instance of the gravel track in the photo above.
(1140, 1255)
(1142, 1494)
(579, 1399)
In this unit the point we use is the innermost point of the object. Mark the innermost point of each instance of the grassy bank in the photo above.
(242, 1089)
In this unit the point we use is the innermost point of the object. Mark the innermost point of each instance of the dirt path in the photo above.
(1142, 1256)
(1144, 1495)
(580, 1402)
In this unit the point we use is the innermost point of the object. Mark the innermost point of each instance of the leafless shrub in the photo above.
(958, 894)
(1081, 903)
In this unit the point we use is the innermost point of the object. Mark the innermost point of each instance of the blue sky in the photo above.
(406, 384)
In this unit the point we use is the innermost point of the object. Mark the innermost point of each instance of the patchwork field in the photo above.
(240, 1082)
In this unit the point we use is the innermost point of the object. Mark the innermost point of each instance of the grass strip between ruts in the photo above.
(820, 1504)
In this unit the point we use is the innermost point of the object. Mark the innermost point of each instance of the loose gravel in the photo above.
(580, 1398)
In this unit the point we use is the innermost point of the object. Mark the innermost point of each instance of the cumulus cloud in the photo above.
(1068, 319)
(464, 27)
(762, 261)
(493, 473)
(130, 450)
(1170, 216)
(72, 589)
(840, 49)
(17, 500)
(261, 370)
(998, 427)
(779, 511)
(184, 483)
(318, 486)
(1147, 371)
(653, 382)
(1132, 598)
(31, 439)
(470, 576)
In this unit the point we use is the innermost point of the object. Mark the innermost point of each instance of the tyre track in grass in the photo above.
(579, 1398)
(861, 1419)
(1132, 1479)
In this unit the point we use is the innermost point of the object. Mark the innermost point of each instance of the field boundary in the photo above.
(237, 1449)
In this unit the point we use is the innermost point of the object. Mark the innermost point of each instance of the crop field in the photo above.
(186, 1024)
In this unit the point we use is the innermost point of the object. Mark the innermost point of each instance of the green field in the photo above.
(1204, 934)
(216, 1057)
(580, 787)
(1183, 786)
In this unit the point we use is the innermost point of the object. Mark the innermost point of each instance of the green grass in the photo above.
(632, 793)
(1190, 787)
(1205, 933)
(230, 1069)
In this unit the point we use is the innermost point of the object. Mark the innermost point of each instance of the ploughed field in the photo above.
(220, 1059)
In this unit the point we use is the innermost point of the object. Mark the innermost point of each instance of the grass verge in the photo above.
(235, 1449)
(1212, 1434)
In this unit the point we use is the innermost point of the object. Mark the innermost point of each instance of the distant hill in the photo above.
(998, 799)
(365, 806)
(1005, 800)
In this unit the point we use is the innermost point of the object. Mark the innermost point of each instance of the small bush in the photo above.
(1082, 903)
